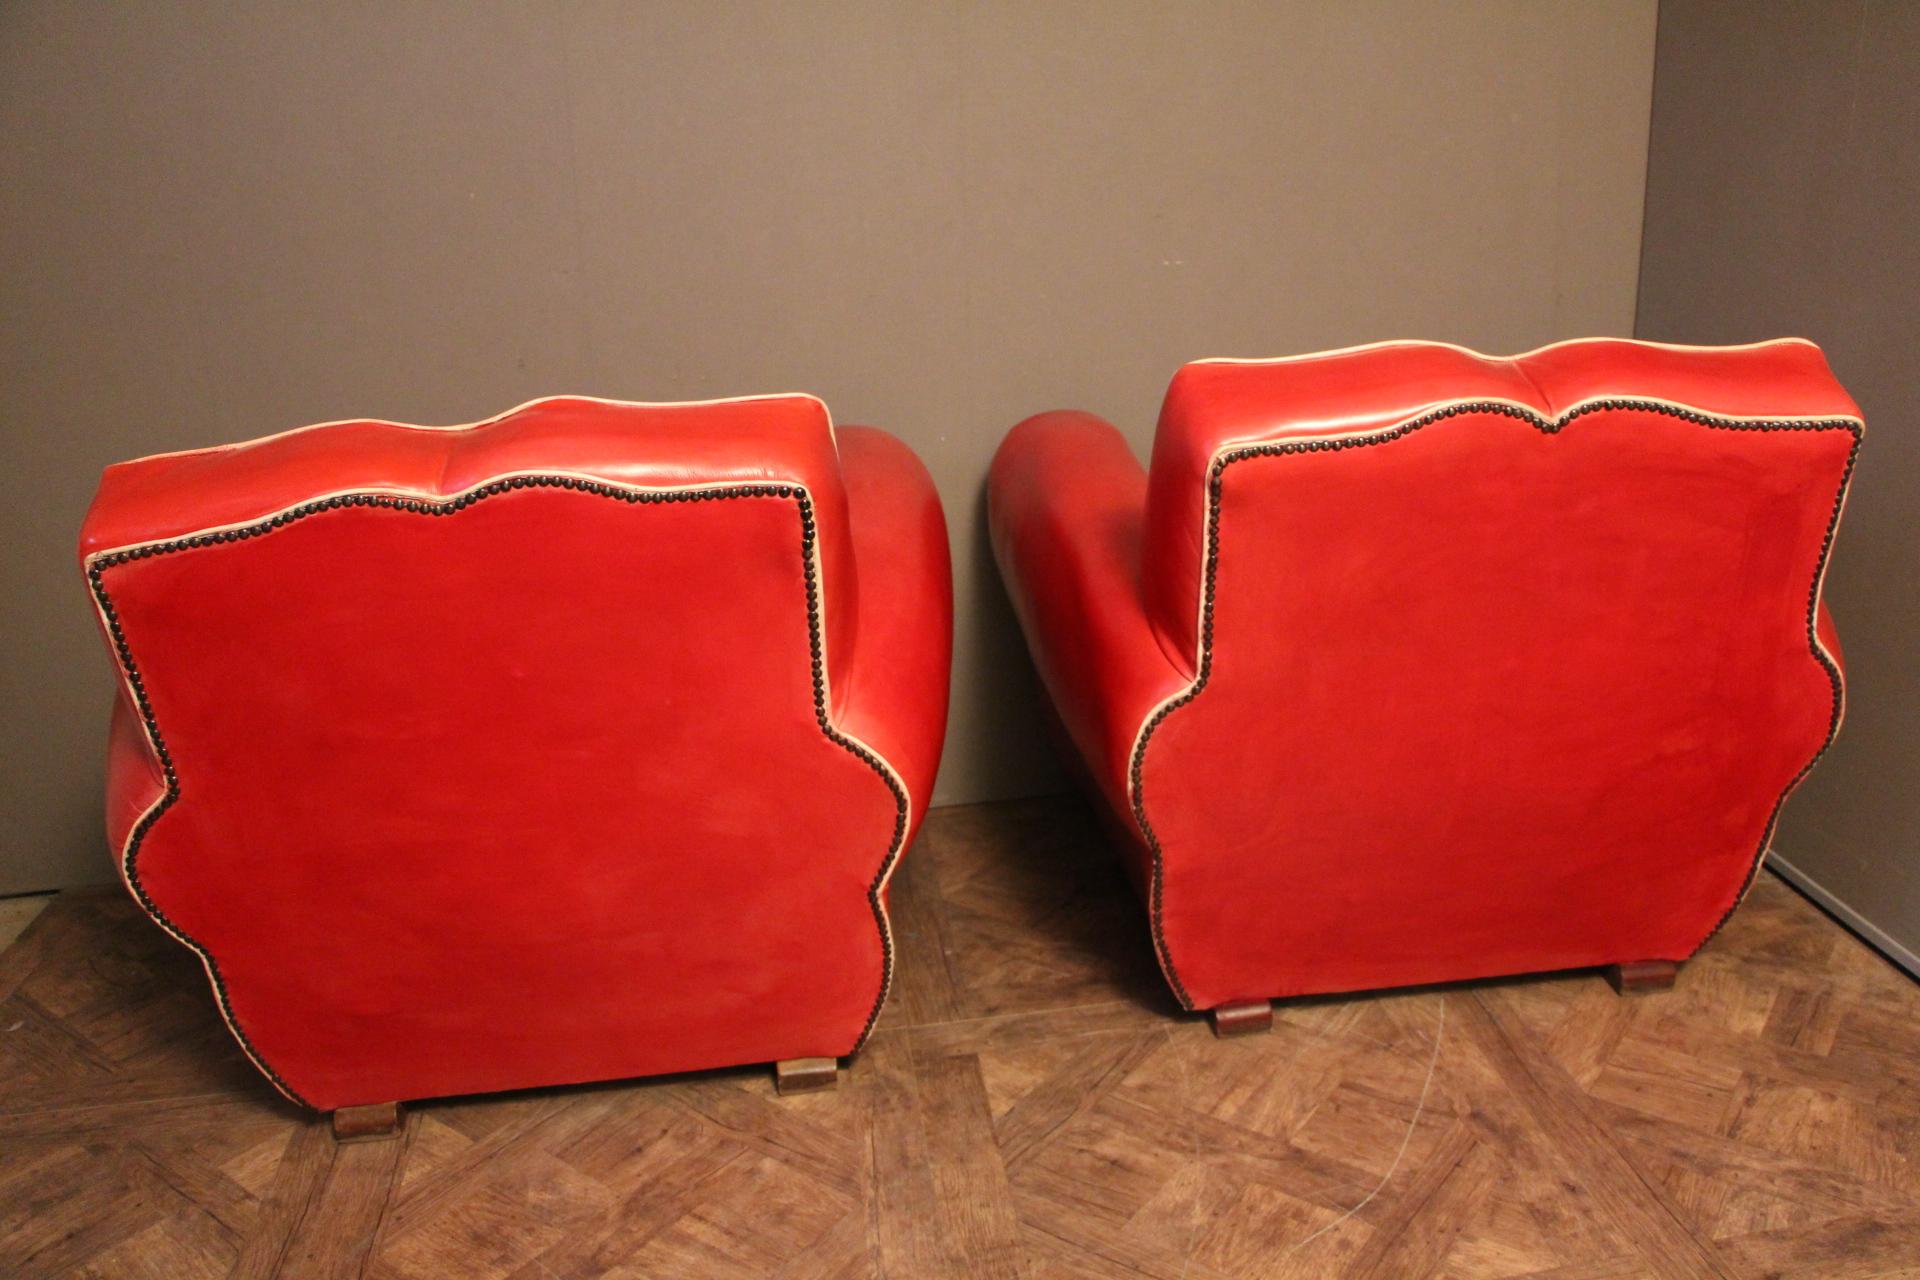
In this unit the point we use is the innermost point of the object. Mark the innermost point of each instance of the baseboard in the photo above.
(1868, 932)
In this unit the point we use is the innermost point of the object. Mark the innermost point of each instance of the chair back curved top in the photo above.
(474, 758)
(1497, 665)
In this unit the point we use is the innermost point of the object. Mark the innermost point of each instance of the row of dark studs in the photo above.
(139, 833)
(136, 682)
(134, 679)
(1813, 587)
(517, 482)
(1833, 677)
(817, 658)
(446, 507)
(1548, 425)
(1318, 446)
(1138, 763)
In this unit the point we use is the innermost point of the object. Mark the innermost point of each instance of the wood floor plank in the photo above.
(1744, 1164)
(1311, 1176)
(657, 1187)
(975, 1036)
(1430, 1212)
(505, 1145)
(334, 1238)
(979, 1225)
(778, 1128)
(1096, 1248)
(1855, 1248)
(1094, 1070)
(298, 1176)
(901, 1198)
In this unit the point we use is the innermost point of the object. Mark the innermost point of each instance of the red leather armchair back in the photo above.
(1405, 664)
(478, 758)
(1500, 665)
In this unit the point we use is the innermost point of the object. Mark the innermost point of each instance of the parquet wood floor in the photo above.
(1030, 1107)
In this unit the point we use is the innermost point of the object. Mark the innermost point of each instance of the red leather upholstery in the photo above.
(574, 745)
(1407, 664)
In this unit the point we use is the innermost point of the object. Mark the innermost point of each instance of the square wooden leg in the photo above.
(1642, 975)
(803, 1075)
(362, 1124)
(1242, 1018)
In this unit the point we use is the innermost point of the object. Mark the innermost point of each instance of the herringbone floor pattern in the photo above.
(1030, 1107)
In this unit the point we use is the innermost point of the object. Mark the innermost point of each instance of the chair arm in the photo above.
(892, 692)
(1066, 503)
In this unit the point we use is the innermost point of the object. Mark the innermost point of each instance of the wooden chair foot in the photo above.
(804, 1075)
(1242, 1018)
(363, 1124)
(1641, 975)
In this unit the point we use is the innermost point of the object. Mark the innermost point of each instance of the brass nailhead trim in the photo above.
(1547, 426)
(435, 507)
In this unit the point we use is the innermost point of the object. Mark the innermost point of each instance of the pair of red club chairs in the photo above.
(581, 743)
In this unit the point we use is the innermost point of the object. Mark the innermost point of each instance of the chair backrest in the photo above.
(1550, 624)
(530, 716)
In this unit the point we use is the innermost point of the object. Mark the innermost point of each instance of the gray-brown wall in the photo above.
(1783, 197)
(220, 220)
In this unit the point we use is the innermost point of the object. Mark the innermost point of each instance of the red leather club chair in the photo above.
(573, 745)
(1405, 664)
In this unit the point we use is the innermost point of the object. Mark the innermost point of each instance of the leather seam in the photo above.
(1547, 426)
(98, 562)
(538, 402)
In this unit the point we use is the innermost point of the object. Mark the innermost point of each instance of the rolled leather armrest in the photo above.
(893, 695)
(1066, 503)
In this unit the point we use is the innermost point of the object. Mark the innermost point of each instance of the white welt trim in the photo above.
(487, 422)
(439, 497)
(205, 957)
(1482, 355)
(894, 852)
(1374, 424)
(1813, 623)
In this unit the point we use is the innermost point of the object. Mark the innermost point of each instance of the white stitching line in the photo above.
(436, 497)
(1428, 345)
(536, 402)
